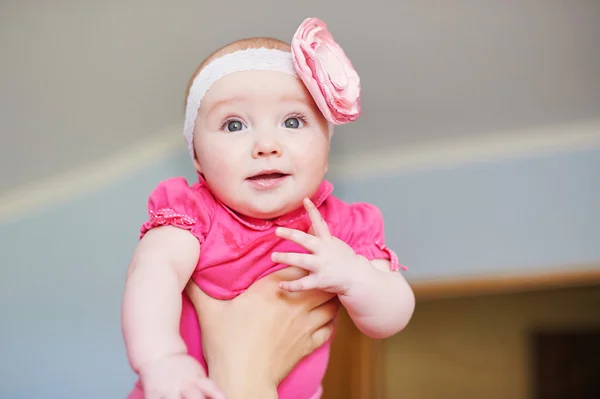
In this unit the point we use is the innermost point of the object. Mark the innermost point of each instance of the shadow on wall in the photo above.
(63, 270)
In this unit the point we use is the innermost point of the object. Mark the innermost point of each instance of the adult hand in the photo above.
(252, 342)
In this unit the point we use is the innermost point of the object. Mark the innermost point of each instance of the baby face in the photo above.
(261, 143)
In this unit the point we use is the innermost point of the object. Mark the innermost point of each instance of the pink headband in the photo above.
(315, 57)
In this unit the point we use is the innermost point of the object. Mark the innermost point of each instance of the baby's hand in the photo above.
(333, 265)
(177, 377)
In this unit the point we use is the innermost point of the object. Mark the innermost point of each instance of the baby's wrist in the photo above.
(155, 357)
(360, 275)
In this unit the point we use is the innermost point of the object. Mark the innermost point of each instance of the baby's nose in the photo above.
(266, 148)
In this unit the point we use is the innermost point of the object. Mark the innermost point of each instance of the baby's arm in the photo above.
(159, 270)
(381, 302)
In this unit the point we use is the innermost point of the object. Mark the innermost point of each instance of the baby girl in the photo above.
(258, 124)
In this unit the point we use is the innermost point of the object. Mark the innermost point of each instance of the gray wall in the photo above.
(62, 270)
(81, 78)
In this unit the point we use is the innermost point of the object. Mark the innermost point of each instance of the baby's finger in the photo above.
(210, 390)
(305, 261)
(150, 394)
(192, 392)
(319, 226)
(307, 283)
(306, 241)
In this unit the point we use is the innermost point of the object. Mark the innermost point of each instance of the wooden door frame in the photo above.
(356, 368)
(357, 365)
(506, 284)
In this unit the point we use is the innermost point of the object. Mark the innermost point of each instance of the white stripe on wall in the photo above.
(88, 178)
(498, 146)
(442, 152)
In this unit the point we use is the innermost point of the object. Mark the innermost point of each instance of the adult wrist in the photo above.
(243, 384)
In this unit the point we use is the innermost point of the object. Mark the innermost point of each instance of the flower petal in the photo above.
(326, 72)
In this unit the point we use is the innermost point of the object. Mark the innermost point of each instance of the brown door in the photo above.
(566, 365)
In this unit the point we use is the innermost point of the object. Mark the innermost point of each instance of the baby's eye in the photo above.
(293, 123)
(234, 126)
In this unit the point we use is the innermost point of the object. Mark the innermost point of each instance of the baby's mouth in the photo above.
(268, 176)
(268, 179)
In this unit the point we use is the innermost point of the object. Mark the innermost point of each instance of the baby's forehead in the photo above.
(257, 86)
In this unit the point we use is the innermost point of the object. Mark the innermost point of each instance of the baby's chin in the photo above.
(266, 211)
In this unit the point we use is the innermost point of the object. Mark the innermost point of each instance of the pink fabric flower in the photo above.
(326, 72)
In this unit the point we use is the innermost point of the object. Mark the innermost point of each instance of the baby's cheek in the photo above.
(224, 166)
(316, 163)
(220, 179)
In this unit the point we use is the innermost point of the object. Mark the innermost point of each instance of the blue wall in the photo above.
(528, 215)
(62, 270)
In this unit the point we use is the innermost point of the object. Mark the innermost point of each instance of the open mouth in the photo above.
(268, 178)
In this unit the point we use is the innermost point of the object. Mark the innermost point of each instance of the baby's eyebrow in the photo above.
(226, 100)
(237, 99)
(293, 98)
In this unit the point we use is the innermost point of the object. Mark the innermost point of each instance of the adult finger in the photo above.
(322, 335)
(323, 314)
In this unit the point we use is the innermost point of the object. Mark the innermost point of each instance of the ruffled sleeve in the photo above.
(174, 203)
(362, 228)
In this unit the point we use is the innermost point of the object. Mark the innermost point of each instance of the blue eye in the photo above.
(234, 126)
(293, 123)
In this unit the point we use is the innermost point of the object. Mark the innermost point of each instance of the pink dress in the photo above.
(236, 251)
